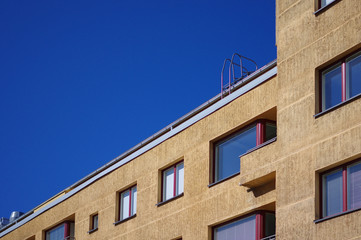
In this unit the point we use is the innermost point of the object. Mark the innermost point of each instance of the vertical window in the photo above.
(228, 150)
(257, 226)
(341, 189)
(62, 231)
(353, 75)
(128, 203)
(354, 186)
(341, 81)
(332, 193)
(173, 181)
(93, 223)
(331, 87)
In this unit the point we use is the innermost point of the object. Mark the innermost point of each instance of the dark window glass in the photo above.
(353, 76)
(354, 186)
(332, 193)
(227, 152)
(331, 87)
(270, 224)
(271, 131)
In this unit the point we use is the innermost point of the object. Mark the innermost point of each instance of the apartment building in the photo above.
(276, 155)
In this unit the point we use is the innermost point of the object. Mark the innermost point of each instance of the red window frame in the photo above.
(130, 203)
(260, 139)
(342, 62)
(66, 229)
(174, 166)
(344, 188)
(260, 223)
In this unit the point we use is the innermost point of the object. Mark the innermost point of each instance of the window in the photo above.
(93, 223)
(60, 232)
(341, 189)
(341, 82)
(173, 181)
(128, 203)
(324, 3)
(227, 151)
(257, 226)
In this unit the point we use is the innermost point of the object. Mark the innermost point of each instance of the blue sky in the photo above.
(83, 81)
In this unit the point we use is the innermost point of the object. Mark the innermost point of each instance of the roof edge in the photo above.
(205, 109)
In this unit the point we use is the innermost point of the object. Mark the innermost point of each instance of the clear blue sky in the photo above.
(83, 81)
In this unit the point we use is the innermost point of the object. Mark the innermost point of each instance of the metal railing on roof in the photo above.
(234, 75)
(259, 72)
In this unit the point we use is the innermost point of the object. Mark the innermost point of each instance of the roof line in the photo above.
(176, 123)
(247, 84)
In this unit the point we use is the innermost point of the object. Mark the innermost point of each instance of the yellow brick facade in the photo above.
(282, 176)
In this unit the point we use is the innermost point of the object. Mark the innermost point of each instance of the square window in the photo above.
(341, 189)
(227, 151)
(173, 181)
(341, 82)
(60, 232)
(256, 226)
(127, 203)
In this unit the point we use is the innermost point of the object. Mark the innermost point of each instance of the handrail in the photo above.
(224, 64)
(232, 79)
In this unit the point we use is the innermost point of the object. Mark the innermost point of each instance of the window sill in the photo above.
(336, 215)
(324, 8)
(337, 106)
(224, 179)
(125, 219)
(169, 200)
(93, 230)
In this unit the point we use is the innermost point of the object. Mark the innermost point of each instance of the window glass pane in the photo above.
(244, 229)
(56, 233)
(326, 2)
(227, 153)
(72, 229)
(332, 193)
(95, 221)
(168, 184)
(353, 76)
(271, 131)
(354, 186)
(180, 178)
(124, 205)
(270, 224)
(331, 87)
(134, 200)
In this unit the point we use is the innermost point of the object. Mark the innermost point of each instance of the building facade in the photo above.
(279, 157)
